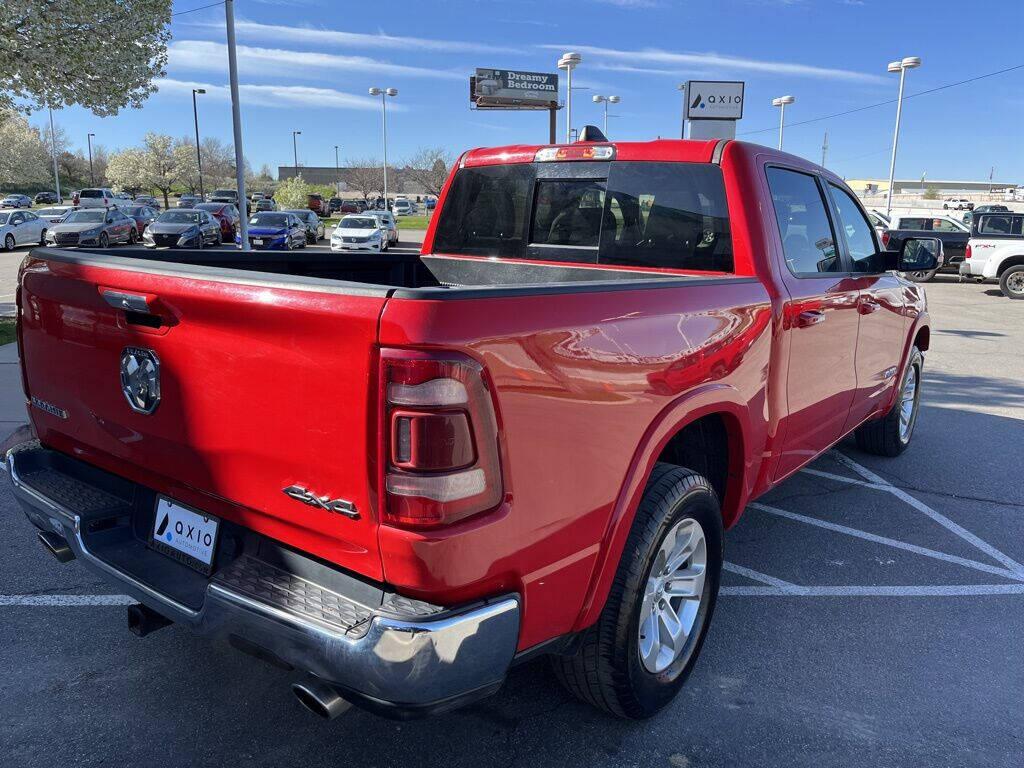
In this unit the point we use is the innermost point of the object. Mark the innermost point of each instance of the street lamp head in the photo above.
(92, 134)
(375, 91)
(391, 91)
(569, 60)
(894, 66)
(614, 99)
(296, 133)
(911, 62)
(781, 100)
(597, 99)
(198, 90)
(681, 87)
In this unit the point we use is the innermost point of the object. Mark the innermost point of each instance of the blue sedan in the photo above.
(277, 231)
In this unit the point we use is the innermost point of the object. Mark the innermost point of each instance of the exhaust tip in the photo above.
(320, 698)
(56, 546)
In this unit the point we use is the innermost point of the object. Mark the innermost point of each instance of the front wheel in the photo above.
(635, 658)
(42, 237)
(921, 276)
(132, 236)
(890, 435)
(9, 243)
(104, 241)
(1011, 282)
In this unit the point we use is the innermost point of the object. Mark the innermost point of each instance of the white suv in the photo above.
(957, 204)
(996, 251)
(98, 197)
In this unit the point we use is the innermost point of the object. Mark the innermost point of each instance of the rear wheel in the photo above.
(132, 236)
(9, 243)
(921, 276)
(890, 435)
(42, 237)
(104, 241)
(635, 658)
(1011, 282)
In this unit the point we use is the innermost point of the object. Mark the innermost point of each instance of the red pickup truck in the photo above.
(400, 474)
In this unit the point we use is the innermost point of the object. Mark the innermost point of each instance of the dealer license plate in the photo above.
(257, 241)
(188, 536)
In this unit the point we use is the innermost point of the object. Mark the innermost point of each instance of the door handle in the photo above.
(809, 317)
(867, 307)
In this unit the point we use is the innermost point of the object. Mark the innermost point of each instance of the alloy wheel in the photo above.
(908, 403)
(672, 596)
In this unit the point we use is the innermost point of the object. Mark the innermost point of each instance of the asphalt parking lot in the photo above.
(872, 614)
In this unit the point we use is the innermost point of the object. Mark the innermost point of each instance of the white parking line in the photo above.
(764, 578)
(939, 518)
(887, 541)
(949, 590)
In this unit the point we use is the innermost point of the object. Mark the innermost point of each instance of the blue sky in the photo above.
(306, 65)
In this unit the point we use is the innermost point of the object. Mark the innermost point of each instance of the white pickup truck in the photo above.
(996, 251)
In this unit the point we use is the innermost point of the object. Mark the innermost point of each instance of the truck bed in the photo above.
(397, 275)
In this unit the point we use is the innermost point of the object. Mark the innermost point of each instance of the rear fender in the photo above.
(710, 399)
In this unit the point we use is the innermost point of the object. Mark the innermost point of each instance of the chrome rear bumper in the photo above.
(383, 651)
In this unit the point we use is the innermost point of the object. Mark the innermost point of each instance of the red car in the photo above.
(143, 216)
(401, 475)
(226, 215)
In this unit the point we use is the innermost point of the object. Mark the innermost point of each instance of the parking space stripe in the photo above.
(950, 590)
(63, 601)
(939, 518)
(764, 578)
(843, 479)
(888, 542)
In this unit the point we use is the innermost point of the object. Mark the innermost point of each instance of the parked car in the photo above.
(968, 217)
(16, 201)
(97, 197)
(21, 228)
(360, 232)
(143, 216)
(879, 221)
(224, 196)
(189, 201)
(55, 214)
(47, 198)
(76, 197)
(275, 231)
(314, 227)
(996, 251)
(182, 228)
(526, 440)
(266, 204)
(347, 206)
(317, 204)
(948, 230)
(149, 200)
(92, 227)
(430, 203)
(387, 219)
(402, 207)
(957, 204)
(227, 216)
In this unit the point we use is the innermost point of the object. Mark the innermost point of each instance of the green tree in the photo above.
(932, 193)
(292, 193)
(99, 54)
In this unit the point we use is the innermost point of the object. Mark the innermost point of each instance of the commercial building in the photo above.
(920, 186)
(399, 181)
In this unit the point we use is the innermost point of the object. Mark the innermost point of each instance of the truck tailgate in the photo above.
(263, 386)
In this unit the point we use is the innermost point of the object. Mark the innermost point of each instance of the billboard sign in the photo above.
(508, 87)
(714, 100)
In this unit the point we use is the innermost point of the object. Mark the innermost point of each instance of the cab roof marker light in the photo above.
(575, 152)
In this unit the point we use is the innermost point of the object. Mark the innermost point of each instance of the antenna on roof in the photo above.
(592, 133)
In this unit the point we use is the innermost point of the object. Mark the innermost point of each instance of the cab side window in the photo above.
(941, 225)
(807, 240)
(921, 225)
(860, 236)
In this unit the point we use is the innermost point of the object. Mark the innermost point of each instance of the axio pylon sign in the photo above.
(508, 86)
(714, 100)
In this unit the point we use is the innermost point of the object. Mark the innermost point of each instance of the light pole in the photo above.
(236, 124)
(53, 151)
(337, 172)
(384, 92)
(682, 125)
(901, 66)
(568, 62)
(295, 150)
(92, 176)
(199, 159)
(606, 100)
(781, 102)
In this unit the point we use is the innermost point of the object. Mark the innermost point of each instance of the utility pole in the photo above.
(236, 121)
(337, 172)
(53, 151)
(92, 176)
(824, 149)
(295, 150)
(991, 173)
(199, 157)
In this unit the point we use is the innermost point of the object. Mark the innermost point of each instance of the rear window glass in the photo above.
(642, 214)
(1000, 225)
(918, 224)
(91, 193)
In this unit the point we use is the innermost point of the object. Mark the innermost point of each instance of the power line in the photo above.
(200, 8)
(884, 103)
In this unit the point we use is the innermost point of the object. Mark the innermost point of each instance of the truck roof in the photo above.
(678, 150)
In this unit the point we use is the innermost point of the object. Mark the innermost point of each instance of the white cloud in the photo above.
(319, 35)
(686, 61)
(209, 56)
(278, 96)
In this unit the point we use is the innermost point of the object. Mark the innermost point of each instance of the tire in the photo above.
(42, 237)
(920, 277)
(888, 435)
(607, 670)
(1011, 282)
(104, 241)
(945, 207)
(9, 243)
(132, 236)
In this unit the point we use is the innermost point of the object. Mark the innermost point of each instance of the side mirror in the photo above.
(919, 254)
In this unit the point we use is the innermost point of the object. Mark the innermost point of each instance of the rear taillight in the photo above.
(885, 238)
(967, 251)
(440, 439)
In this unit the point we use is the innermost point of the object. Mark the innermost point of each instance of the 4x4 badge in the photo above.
(341, 506)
